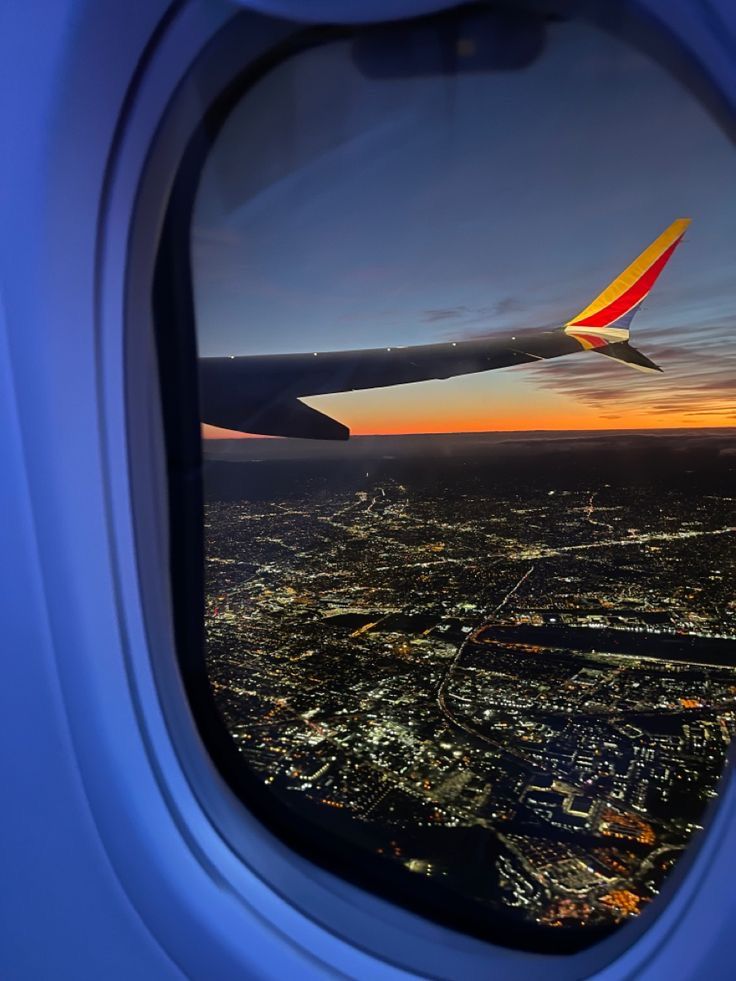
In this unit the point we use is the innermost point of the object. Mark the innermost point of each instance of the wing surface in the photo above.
(260, 394)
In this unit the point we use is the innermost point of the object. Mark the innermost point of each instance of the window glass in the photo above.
(488, 639)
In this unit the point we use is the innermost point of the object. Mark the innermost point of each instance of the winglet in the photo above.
(626, 354)
(606, 320)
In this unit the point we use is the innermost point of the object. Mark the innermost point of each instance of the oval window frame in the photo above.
(219, 73)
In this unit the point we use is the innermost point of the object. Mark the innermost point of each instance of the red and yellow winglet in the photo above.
(606, 319)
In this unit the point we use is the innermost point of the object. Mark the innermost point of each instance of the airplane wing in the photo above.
(261, 394)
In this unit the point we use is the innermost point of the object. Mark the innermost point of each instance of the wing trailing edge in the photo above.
(280, 417)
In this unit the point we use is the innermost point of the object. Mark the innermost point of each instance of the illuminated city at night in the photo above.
(507, 664)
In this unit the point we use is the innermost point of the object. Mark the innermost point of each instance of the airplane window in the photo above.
(464, 313)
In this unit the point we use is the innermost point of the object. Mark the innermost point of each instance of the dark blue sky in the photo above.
(341, 212)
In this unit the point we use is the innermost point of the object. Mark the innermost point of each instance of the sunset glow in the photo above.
(401, 218)
(466, 405)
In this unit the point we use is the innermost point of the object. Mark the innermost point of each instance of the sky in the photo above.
(339, 212)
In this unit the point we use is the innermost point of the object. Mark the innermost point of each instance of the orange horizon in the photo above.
(513, 404)
(216, 433)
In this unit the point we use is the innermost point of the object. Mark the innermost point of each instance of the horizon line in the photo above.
(487, 432)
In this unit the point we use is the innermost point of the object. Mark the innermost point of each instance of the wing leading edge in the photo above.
(261, 394)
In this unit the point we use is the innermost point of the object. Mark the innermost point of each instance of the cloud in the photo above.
(465, 318)
(508, 304)
(446, 313)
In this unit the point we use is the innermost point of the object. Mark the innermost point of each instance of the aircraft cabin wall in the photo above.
(115, 862)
